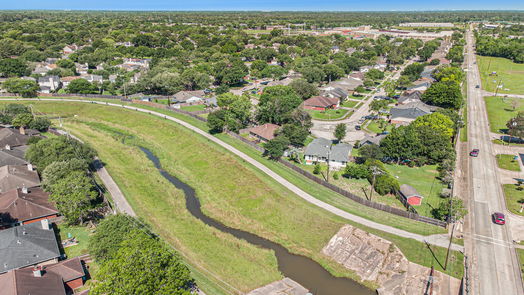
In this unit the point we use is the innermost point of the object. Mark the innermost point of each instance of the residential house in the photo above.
(17, 176)
(284, 82)
(28, 245)
(410, 97)
(56, 279)
(410, 194)
(322, 150)
(427, 73)
(52, 60)
(10, 138)
(321, 103)
(335, 49)
(24, 206)
(190, 97)
(317, 151)
(419, 85)
(68, 49)
(405, 114)
(339, 156)
(262, 133)
(93, 78)
(372, 140)
(112, 78)
(125, 44)
(12, 156)
(66, 80)
(81, 68)
(43, 67)
(335, 92)
(49, 83)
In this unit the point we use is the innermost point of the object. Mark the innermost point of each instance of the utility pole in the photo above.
(451, 218)
(328, 160)
(375, 171)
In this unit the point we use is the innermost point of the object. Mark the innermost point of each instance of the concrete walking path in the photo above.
(437, 240)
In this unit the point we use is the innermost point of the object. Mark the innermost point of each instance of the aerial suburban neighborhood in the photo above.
(261, 149)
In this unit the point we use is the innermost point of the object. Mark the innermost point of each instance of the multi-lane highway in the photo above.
(495, 269)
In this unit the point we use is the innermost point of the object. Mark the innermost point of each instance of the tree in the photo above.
(313, 74)
(303, 88)
(26, 88)
(453, 208)
(276, 104)
(40, 123)
(274, 149)
(371, 151)
(445, 94)
(447, 73)
(357, 171)
(437, 121)
(340, 131)
(13, 67)
(295, 133)
(109, 234)
(274, 72)
(216, 121)
(374, 74)
(385, 184)
(332, 72)
(317, 169)
(54, 149)
(60, 169)
(81, 86)
(360, 89)
(73, 196)
(22, 120)
(378, 104)
(413, 71)
(516, 126)
(143, 265)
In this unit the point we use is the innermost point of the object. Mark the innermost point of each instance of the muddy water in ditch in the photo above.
(299, 268)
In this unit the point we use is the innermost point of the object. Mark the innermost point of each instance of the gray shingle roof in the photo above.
(372, 139)
(26, 245)
(340, 152)
(415, 95)
(411, 113)
(318, 147)
(408, 191)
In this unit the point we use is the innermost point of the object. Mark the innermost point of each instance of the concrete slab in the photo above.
(285, 286)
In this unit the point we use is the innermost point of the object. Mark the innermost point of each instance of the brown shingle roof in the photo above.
(16, 206)
(69, 270)
(15, 176)
(12, 138)
(23, 282)
(321, 101)
(266, 131)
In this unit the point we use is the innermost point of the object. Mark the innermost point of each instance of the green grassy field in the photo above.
(330, 114)
(507, 162)
(500, 111)
(464, 130)
(520, 253)
(194, 108)
(424, 180)
(81, 233)
(514, 198)
(299, 226)
(373, 126)
(509, 73)
(349, 103)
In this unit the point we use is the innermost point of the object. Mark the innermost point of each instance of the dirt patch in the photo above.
(285, 286)
(378, 260)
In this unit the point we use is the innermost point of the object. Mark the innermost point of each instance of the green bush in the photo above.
(358, 171)
(385, 184)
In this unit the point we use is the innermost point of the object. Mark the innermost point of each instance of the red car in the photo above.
(498, 218)
(474, 153)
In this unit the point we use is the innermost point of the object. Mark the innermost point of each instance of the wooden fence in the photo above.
(365, 202)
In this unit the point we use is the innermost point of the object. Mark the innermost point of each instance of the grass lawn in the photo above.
(514, 198)
(509, 73)
(500, 111)
(520, 253)
(507, 162)
(423, 179)
(193, 108)
(464, 130)
(350, 103)
(330, 114)
(373, 126)
(301, 227)
(81, 233)
(502, 142)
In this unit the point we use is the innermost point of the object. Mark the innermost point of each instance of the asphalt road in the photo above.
(495, 269)
(437, 240)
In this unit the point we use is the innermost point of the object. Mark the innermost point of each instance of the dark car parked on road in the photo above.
(498, 218)
(474, 153)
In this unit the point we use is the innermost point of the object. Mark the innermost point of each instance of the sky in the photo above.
(266, 5)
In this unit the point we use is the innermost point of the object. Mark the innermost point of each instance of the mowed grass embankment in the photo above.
(231, 191)
(508, 74)
(500, 110)
(508, 162)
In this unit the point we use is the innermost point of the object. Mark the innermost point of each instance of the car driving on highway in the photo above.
(474, 153)
(498, 218)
